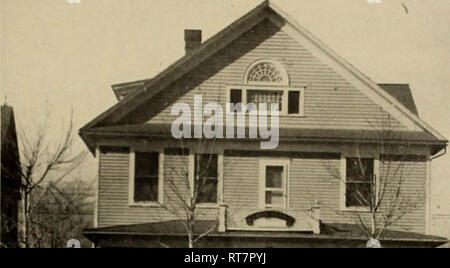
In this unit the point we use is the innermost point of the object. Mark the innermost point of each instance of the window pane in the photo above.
(274, 198)
(208, 191)
(358, 194)
(206, 173)
(146, 176)
(274, 176)
(146, 189)
(146, 164)
(236, 98)
(207, 165)
(360, 169)
(265, 96)
(294, 102)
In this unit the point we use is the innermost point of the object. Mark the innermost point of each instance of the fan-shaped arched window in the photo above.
(266, 72)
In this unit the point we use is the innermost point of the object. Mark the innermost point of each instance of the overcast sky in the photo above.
(56, 56)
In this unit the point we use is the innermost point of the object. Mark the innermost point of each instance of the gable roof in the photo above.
(122, 90)
(184, 64)
(399, 104)
(401, 92)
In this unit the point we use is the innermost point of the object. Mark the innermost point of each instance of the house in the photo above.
(10, 179)
(333, 122)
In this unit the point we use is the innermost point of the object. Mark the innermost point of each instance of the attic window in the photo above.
(266, 72)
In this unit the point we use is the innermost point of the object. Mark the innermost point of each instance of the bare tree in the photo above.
(186, 190)
(62, 213)
(382, 196)
(45, 163)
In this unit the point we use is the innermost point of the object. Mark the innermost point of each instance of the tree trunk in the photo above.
(374, 226)
(191, 228)
(25, 232)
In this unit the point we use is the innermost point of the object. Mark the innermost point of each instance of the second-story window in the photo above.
(359, 182)
(146, 177)
(236, 100)
(266, 82)
(266, 96)
(273, 183)
(206, 177)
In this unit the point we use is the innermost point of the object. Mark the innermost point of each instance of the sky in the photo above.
(58, 56)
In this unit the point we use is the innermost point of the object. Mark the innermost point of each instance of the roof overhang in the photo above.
(145, 89)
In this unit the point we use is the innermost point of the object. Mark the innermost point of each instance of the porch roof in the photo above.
(329, 231)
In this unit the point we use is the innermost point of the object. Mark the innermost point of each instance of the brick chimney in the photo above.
(192, 39)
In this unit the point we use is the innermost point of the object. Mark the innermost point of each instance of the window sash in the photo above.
(145, 178)
(149, 184)
(279, 194)
(359, 177)
(266, 96)
(363, 199)
(274, 197)
(284, 92)
(294, 102)
(207, 178)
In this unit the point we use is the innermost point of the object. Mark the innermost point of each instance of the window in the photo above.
(274, 186)
(206, 177)
(359, 182)
(265, 96)
(236, 99)
(290, 100)
(294, 102)
(273, 179)
(266, 72)
(146, 177)
(267, 81)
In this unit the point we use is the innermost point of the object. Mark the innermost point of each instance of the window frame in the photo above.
(132, 169)
(196, 155)
(343, 182)
(280, 68)
(272, 87)
(263, 163)
(219, 153)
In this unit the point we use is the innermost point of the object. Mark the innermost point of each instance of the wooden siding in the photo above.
(114, 207)
(330, 101)
(311, 178)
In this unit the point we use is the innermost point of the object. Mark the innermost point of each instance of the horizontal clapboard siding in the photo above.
(313, 178)
(412, 176)
(113, 202)
(330, 101)
(241, 182)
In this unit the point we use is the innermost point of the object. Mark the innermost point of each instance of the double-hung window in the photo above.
(206, 178)
(273, 180)
(360, 182)
(146, 178)
(290, 100)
